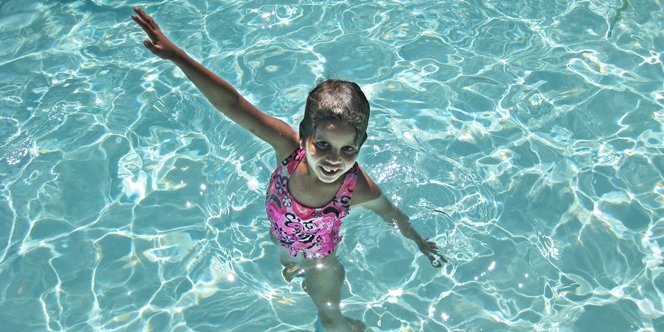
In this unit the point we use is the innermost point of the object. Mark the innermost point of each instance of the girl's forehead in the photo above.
(334, 124)
(335, 130)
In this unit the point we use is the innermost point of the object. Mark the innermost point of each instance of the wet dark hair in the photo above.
(336, 100)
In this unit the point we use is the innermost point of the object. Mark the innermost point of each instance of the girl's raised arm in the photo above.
(220, 93)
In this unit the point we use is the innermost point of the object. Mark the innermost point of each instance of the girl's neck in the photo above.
(310, 191)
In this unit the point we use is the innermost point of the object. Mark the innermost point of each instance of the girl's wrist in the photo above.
(421, 243)
(178, 55)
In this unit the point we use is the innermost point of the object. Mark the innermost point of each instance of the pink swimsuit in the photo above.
(312, 231)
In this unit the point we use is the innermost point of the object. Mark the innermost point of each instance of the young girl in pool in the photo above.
(317, 179)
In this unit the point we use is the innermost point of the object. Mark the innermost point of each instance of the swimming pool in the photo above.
(526, 139)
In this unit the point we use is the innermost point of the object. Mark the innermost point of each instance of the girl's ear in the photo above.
(304, 140)
(362, 139)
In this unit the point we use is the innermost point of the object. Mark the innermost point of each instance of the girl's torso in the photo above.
(310, 227)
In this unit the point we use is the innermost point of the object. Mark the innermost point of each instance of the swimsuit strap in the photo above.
(288, 165)
(348, 186)
(345, 192)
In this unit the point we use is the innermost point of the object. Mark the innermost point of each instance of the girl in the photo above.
(317, 179)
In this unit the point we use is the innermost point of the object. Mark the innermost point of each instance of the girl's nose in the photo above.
(334, 158)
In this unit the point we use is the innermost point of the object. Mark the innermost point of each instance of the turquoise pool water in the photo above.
(524, 137)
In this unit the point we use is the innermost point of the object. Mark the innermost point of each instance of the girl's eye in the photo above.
(348, 149)
(322, 145)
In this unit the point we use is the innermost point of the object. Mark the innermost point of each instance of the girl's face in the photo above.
(331, 150)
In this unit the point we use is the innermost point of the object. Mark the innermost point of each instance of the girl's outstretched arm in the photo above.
(399, 220)
(219, 92)
(367, 194)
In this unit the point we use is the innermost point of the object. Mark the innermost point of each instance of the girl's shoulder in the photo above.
(285, 148)
(365, 188)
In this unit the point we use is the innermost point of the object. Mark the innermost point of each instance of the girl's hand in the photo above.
(157, 42)
(430, 250)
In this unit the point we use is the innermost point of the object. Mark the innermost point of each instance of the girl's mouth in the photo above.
(329, 171)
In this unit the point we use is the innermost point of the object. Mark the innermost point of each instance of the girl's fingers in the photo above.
(138, 21)
(437, 259)
(441, 257)
(146, 28)
(433, 254)
(146, 21)
(146, 18)
(141, 23)
(140, 12)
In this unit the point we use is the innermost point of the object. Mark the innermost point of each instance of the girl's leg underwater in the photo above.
(323, 281)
